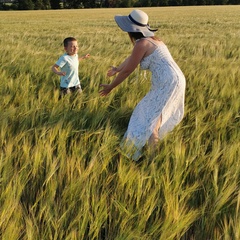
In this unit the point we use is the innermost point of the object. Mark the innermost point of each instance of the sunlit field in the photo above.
(62, 174)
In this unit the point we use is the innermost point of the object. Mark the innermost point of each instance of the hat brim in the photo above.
(128, 26)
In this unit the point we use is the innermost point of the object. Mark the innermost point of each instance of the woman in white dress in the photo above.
(163, 106)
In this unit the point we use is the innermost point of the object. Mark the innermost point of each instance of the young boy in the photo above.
(67, 67)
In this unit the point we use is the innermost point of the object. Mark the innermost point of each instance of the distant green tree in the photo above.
(175, 2)
(46, 4)
(155, 3)
(192, 2)
(235, 2)
(55, 4)
(73, 4)
(123, 3)
(221, 2)
(105, 3)
(129, 3)
(89, 4)
(25, 5)
(145, 3)
(201, 2)
(163, 3)
(112, 3)
(38, 4)
(210, 2)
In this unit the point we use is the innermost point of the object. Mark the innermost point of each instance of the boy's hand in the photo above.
(84, 57)
(61, 73)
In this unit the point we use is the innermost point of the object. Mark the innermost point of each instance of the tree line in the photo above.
(76, 4)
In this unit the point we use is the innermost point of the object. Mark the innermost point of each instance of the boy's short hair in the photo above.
(67, 40)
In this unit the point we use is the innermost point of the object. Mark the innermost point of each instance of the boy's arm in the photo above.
(55, 69)
(84, 57)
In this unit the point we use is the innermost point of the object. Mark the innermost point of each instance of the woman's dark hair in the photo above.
(138, 35)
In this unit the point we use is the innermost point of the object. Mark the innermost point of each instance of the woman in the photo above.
(163, 106)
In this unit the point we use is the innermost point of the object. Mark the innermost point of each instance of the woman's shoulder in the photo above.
(142, 42)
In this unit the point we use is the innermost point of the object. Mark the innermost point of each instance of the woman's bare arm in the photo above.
(126, 68)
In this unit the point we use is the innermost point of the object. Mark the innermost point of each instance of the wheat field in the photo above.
(62, 175)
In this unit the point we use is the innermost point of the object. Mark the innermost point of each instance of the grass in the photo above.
(61, 174)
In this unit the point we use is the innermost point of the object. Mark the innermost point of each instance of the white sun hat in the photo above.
(136, 21)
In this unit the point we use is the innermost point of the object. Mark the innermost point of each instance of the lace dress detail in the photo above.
(165, 98)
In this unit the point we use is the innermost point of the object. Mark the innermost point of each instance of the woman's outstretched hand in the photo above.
(111, 72)
(106, 89)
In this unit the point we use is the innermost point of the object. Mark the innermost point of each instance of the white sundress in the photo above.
(165, 98)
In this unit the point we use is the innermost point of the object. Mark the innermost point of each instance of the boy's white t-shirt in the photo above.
(69, 64)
